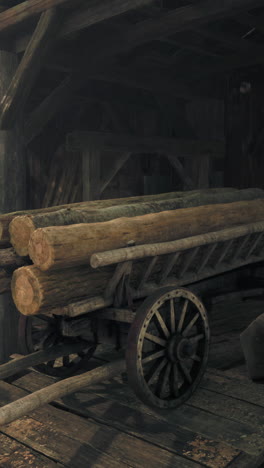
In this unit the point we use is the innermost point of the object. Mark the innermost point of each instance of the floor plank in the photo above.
(76, 442)
(115, 404)
(14, 454)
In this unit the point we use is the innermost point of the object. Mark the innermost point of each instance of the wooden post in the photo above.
(91, 173)
(199, 171)
(12, 197)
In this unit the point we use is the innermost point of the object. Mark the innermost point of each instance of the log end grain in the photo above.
(26, 291)
(40, 250)
(21, 229)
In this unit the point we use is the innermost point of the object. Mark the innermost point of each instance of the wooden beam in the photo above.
(178, 20)
(150, 81)
(199, 171)
(125, 143)
(224, 65)
(185, 45)
(31, 402)
(67, 89)
(12, 197)
(116, 165)
(65, 92)
(231, 41)
(15, 98)
(90, 173)
(117, 256)
(177, 165)
(38, 357)
(252, 21)
(25, 10)
(85, 17)
(58, 98)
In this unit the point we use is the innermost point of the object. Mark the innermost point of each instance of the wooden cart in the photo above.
(160, 319)
(162, 325)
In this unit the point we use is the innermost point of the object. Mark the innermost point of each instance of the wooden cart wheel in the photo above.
(41, 332)
(168, 345)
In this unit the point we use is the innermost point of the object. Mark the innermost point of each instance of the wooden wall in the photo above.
(55, 175)
(244, 128)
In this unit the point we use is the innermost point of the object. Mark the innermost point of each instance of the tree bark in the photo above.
(8, 258)
(35, 291)
(22, 227)
(6, 219)
(67, 246)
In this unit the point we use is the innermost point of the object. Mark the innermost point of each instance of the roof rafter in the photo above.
(251, 21)
(177, 20)
(231, 41)
(174, 21)
(19, 89)
(142, 144)
(23, 11)
(85, 17)
(227, 64)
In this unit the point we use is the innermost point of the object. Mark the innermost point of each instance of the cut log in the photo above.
(22, 227)
(66, 246)
(34, 291)
(6, 219)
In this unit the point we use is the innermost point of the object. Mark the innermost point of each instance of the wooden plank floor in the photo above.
(222, 425)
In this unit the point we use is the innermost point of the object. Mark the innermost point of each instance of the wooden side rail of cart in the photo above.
(162, 325)
(198, 257)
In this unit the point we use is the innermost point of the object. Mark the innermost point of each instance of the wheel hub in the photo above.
(179, 348)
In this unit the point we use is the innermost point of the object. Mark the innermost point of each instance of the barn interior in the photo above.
(106, 100)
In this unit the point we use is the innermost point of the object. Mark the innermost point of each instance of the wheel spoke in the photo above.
(195, 339)
(183, 314)
(165, 379)
(156, 339)
(153, 356)
(42, 340)
(191, 324)
(155, 371)
(175, 380)
(46, 318)
(172, 316)
(39, 335)
(186, 372)
(50, 340)
(162, 325)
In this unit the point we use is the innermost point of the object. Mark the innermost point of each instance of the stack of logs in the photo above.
(47, 252)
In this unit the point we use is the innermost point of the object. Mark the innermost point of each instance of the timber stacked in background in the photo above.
(60, 240)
